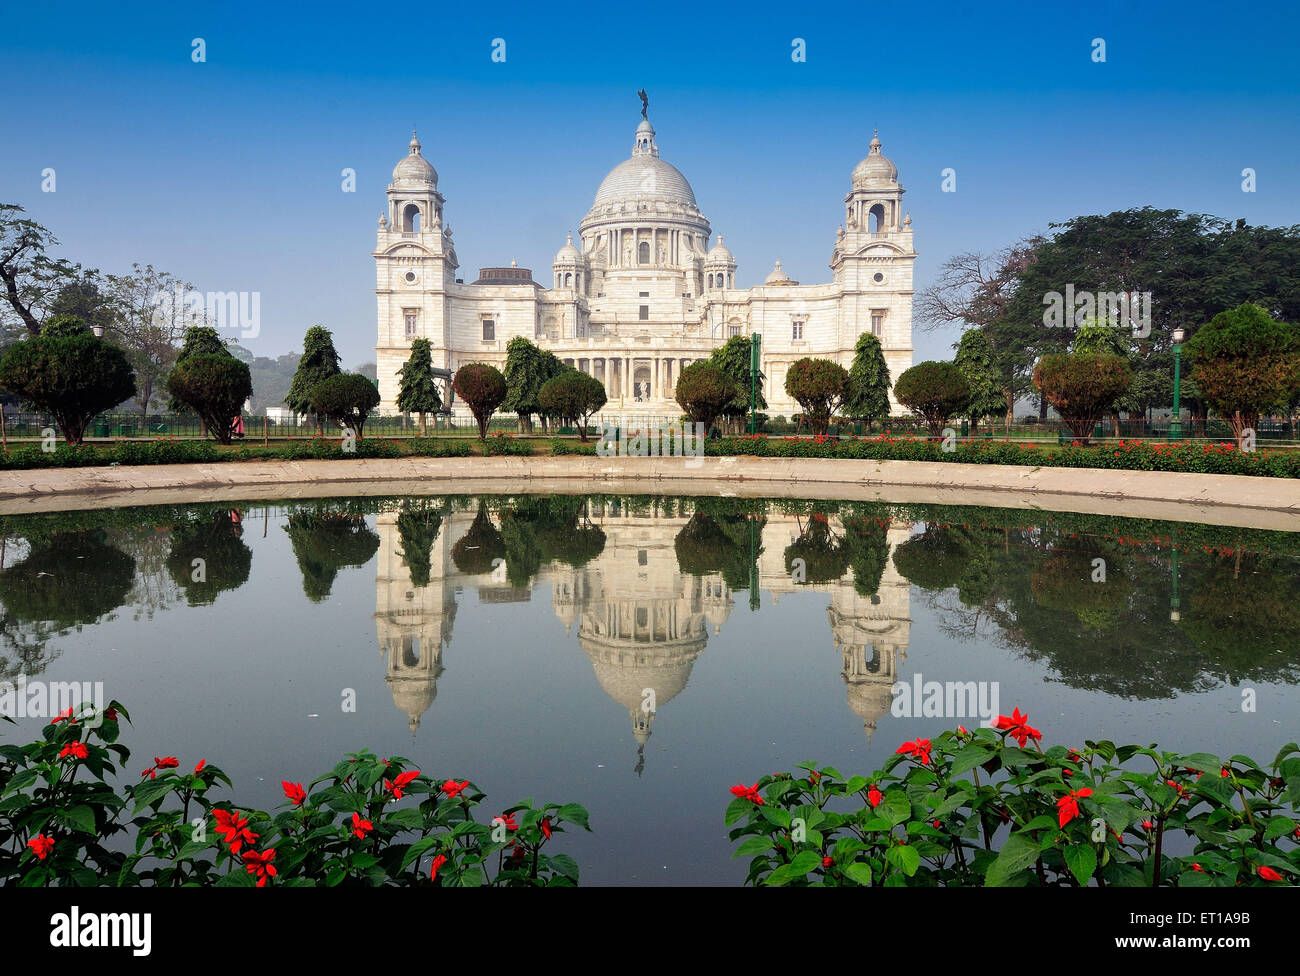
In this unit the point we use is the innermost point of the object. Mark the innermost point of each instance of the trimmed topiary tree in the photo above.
(417, 390)
(867, 397)
(483, 389)
(347, 399)
(527, 369)
(1246, 364)
(68, 372)
(934, 391)
(1083, 387)
(704, 391)
(319, 362)
(974, 360)
(214, 387)
(573, 396)
(819, 387)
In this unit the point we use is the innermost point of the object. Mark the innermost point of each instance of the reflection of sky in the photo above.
(520, 712)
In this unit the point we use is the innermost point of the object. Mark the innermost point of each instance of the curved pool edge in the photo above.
(1262, 503)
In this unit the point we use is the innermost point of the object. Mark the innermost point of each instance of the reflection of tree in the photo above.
(213, 538)
(1064, 581)
(149, 544)
(417, 527)
(536, 531)
(867, 544)
(474, 552)
(326, 540)
(24, 646)
(67, 580)
(824, 554)
(716, 540)
(936, 559)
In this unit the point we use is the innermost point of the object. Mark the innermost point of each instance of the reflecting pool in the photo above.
(640, 655)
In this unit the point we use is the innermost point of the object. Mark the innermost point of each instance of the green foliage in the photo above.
(974, 360)
(71, 374)
(819, 386)
(347, 827)
(209, 557)
(201, 340)
(418, 524)
(319, 362)
(215, 387)
(934, 391)
(733, 359)
(528, 368)
(1082, 387)
(572, 396)
(704, 391)
(936, 813)
(68, 579)
(477, 550)
(483, 388)
(717, 540)
(867, 398)
(326, 539)
(417, 391)
(345, 398)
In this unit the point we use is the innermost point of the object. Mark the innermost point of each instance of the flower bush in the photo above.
(501, 443)
(992, 807)
(63, 823)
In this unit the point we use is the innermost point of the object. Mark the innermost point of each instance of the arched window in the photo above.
(876, 219)
(568, 281)
(410, 652)
(643, 252)
(710, 281)
(411, 219)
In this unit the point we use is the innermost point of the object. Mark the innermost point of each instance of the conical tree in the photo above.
(526, 370)
(319, 362)
(417, 390)
(867, 398)
(974, 360)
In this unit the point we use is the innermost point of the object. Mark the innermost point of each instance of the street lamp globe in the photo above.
(1179, 335)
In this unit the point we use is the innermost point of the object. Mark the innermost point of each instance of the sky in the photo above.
(228, 171)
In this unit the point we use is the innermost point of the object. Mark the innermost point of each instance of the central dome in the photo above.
(645, 177)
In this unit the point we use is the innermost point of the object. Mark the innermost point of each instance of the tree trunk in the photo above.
(424, 431)
(144, 413)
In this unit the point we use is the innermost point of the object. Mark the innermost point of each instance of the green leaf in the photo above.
(753, 845)
(80, 817)
(904, 857)
(973, 755)
(1081, 860)
(894, 807)
(1278, 827)
(410, 819)
(566, 865)
(574, 813)
(1285, 751)
(797, 869)
(737, 808)
(1018, 853)
(859, 872)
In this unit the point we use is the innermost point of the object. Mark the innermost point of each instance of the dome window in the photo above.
(876, 219)
(877, 277)
(411, 219)
(643, 252)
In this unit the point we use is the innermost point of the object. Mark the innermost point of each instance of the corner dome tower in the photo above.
(414, 171)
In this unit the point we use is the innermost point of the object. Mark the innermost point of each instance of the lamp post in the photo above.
(1176, 424)
(755, 343)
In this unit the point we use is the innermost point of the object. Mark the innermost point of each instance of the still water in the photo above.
(517, 642)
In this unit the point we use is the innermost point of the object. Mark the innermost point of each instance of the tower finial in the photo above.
(414, 144)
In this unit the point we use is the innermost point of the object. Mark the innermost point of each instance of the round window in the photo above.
(877, 277)
(410, 277)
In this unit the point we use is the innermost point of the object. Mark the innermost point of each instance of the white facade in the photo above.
(642, 294)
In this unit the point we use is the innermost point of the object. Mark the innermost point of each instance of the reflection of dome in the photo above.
(414, 696)
(875, 169)
(626, 670)
(414, 168)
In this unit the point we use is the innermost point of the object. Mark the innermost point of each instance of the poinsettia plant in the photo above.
(369, 821)
(992, 807)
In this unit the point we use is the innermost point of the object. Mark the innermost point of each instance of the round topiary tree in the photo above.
(704, 391)
(1246, 364)
(572, 396)
(819, 387)
(68, 372)
(347, 399)
(417, 390)
(934, 391)
(483, 388)
(1082, 387)
(215, 387)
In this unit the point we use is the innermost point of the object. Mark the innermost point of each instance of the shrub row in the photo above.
(204, 452)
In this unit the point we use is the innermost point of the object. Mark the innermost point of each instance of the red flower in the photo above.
(918, 750)
(1197, 867)
(454, 789)
(75, 749)
(167, 762)
(403, 780)
(1268, 874)
(260, 864)
(41, 845)
(747, 793)
(64, 715)
(1068, 805)
(112, 714)
(962, 730)
(827, 861)
(935, 824)
(294, 792)
(874, 796)
(1019, 728)
(199, 768)
(814, 777)
(150, 773)
(1148, 825)
(361, 827)
(546, 827)
(233, 829)
(438, 862)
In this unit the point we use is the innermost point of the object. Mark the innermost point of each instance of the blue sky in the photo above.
(227, 172)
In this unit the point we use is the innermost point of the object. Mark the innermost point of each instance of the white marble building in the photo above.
(641, 293)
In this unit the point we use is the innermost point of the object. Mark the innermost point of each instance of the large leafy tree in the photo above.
(974, 360)
(573, 396)
(417, 390)
(704, 391)
(483, 389)
(1083, 387)
(319, 362)
(215, 387)
(819, 387)
(68, 372)
(733, 360)
(527, 369)
(934, 391)
(867, 398)
(1246, 364)
(346, 399)
(30, 279)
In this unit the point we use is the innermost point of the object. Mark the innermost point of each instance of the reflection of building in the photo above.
(640, 620)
